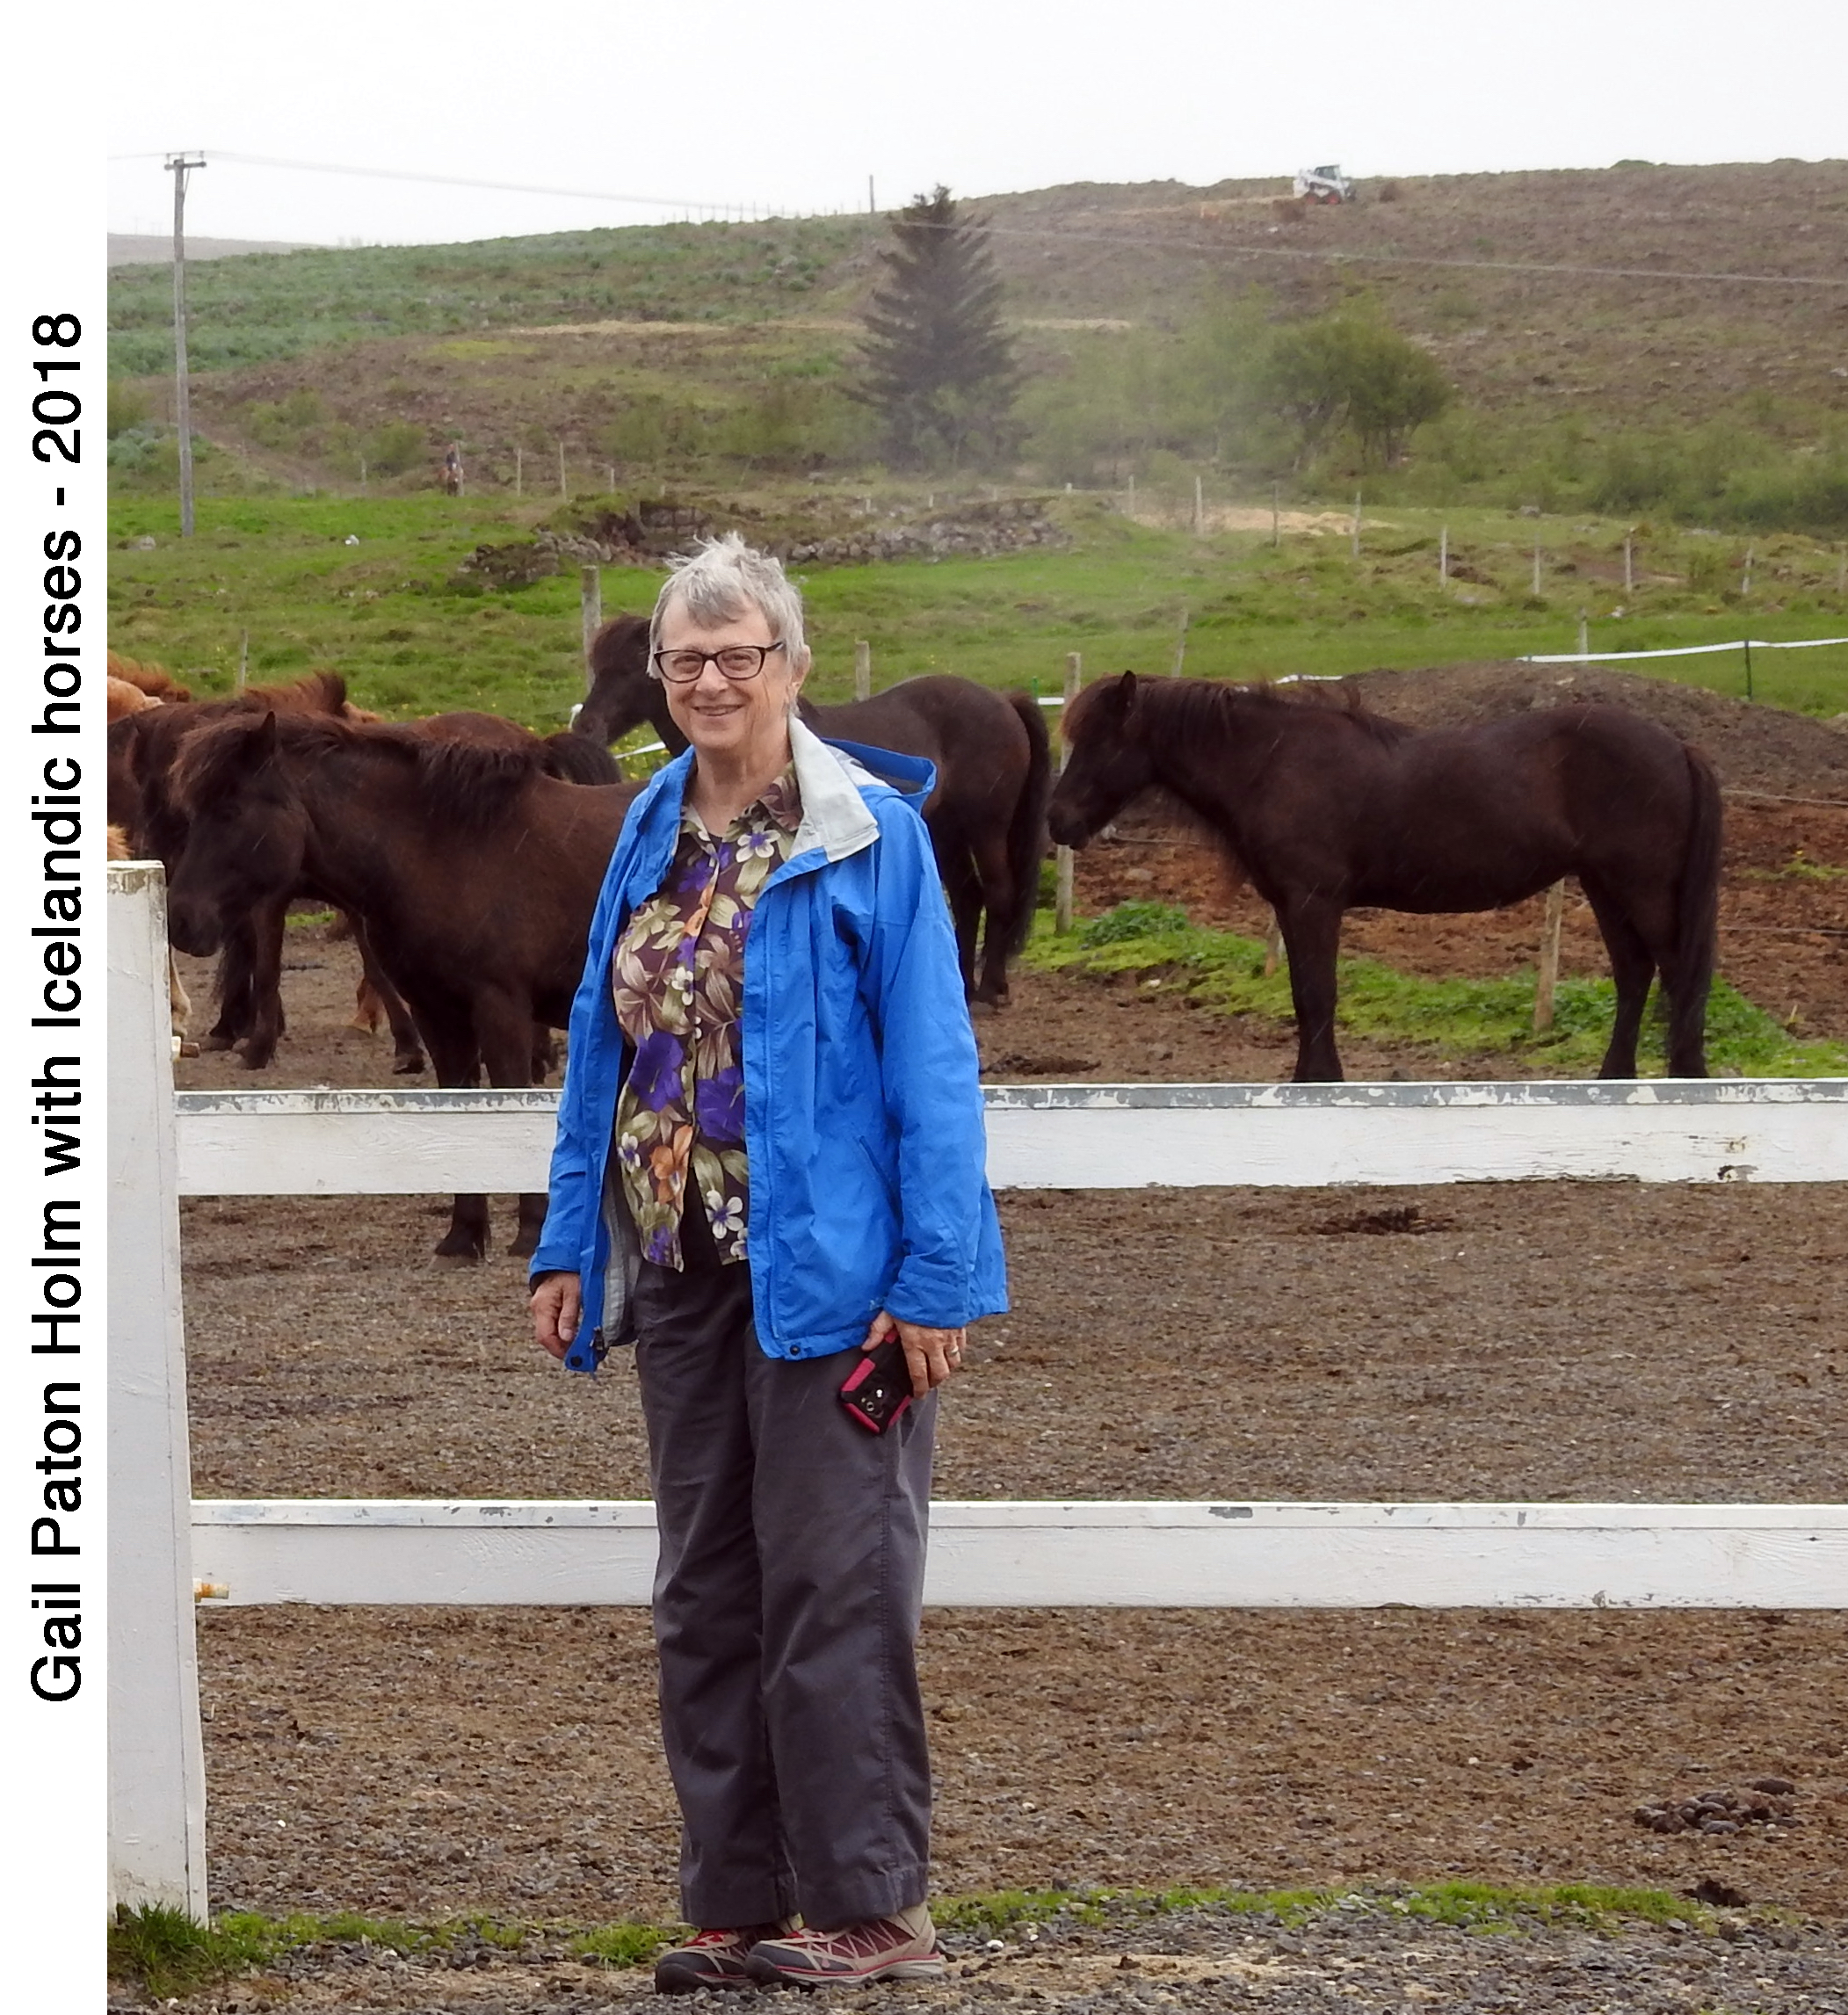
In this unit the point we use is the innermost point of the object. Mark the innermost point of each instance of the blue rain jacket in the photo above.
(863, 1118)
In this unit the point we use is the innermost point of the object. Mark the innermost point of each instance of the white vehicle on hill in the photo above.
(1323, 185)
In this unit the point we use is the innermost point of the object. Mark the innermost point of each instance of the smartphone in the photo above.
(878, 1389)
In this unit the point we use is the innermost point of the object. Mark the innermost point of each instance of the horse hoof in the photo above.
(523, 1248)
(408, 1067)
(212, 1043)
(258, 1059)
(466, 1255)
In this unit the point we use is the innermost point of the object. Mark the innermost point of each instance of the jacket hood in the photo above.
(830, 776)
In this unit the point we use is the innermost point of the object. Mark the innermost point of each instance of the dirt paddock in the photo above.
(1542, 1341)
(1504, 1341)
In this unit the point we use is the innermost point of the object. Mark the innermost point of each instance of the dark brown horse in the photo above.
(987, 815)
(142, 750)
(1328, 810)
(474, 871)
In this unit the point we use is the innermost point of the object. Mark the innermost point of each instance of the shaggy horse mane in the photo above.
(466, 783)
(1190, 709)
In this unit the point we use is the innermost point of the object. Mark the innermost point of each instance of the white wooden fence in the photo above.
(165, 1547)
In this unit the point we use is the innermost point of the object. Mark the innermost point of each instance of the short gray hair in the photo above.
(720, 579)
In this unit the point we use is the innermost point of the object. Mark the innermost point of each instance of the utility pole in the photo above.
(180, 167)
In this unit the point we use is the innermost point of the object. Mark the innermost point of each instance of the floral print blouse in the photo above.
(678, 979)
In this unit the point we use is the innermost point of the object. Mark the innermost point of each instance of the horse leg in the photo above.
(1632, 968)
(267, 928)
(231, 989)
(1311, 939)
(457, 1064)
(406, 1048)
(999, 896)
(505, 1035)
(964, 893)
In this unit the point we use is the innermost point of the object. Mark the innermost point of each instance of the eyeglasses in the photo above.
(737, 660)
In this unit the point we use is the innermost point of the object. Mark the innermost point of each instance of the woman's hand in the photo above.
(931, 1355)
(557, 1303)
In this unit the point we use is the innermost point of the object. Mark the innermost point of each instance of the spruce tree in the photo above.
(937, 364)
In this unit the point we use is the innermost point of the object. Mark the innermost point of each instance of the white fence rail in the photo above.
(1104, 1554)
(330, 1143)
(1094, 1136)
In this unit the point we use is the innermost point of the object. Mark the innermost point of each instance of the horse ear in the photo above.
(263, 742)
(1124, 696)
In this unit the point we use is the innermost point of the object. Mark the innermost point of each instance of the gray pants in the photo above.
(787, 1607)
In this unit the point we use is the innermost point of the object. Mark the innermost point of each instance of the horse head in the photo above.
(246, 831)
(623, 695)
(1107, 761)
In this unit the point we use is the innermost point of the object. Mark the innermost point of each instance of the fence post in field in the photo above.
(1536, 569)
(862, 669)
(590, 595)
(1584, 633)
(1200, 508)
(1274, 946)
(518, 469)
(1629, 562)
(1180, 645)
(1548, 981)
(1276, 515)
(562, 490)
(243, 661)
(157, 1767)
(1354, 536)
(1064, 858)
(1745, 578)
(1444, 553)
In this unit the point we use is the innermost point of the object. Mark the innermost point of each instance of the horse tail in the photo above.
(1697, 913)
(1026, 830)
(575, 758)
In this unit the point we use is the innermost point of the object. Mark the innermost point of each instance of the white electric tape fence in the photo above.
(1746, 644)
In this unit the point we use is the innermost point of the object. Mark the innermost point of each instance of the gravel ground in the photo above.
(1340, 1961)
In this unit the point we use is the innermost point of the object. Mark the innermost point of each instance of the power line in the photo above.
(456, 181)
(1300, 253)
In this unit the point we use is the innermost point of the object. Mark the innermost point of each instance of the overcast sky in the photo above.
(792, 107)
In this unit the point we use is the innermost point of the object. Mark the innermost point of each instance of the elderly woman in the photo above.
(770, 1160)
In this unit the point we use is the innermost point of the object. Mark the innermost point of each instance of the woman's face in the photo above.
(732, 720)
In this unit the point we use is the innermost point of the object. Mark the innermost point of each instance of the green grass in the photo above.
(169, 1955)
(1453, 1020)
(411, 636)
(268, 306)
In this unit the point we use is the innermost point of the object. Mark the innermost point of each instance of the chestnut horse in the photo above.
(1328, 809)
(987, 815)
(473, 871)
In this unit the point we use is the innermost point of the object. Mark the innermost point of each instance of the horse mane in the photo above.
(470, 785)
(315, 693)
(1190, 708)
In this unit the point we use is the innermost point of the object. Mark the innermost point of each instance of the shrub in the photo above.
(128, 407)
(395, 447)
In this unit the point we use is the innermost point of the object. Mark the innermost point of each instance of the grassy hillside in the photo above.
(1598, 364)
(1459, 259)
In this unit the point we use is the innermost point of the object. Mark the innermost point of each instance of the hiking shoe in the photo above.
(902, 1947)
(710, 1959)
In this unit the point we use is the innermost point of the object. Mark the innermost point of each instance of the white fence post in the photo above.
(156, 1757)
